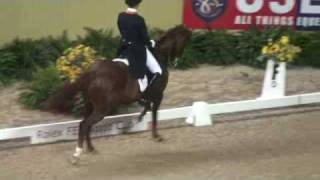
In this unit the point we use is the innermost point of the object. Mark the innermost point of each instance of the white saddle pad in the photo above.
(143, 82)
(124, 61)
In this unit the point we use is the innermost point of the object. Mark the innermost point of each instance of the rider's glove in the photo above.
(153, 43)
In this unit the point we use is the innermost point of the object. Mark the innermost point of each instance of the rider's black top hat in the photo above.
(132, 3)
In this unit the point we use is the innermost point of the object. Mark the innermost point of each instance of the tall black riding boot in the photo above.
(154, 78)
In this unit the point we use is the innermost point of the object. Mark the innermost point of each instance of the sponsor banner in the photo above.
(109, 126)
(242, 14)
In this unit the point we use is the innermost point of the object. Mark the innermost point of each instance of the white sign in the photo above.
(255, 6)
(274, 81)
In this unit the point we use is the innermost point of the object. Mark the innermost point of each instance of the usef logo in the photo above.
(209, 10)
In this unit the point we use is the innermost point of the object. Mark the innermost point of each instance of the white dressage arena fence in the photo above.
(199, 114)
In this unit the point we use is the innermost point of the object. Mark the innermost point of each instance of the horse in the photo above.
(108, 84)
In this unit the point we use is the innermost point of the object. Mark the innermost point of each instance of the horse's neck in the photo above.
(162, 58)
(164, 49)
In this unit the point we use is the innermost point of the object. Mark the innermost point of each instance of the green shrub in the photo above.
(44, 83)
(188, 59)
(8, 66)
(309, 43)
(216, 47)
(23, 63)
(49, 49)
(311, 53)
(21, 57)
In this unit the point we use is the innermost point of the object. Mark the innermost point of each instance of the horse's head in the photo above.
(171, 44)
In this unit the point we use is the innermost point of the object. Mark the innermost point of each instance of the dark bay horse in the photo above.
(108, 84)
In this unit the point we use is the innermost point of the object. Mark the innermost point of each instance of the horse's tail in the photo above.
(62, 100)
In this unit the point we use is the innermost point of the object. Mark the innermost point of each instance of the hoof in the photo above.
(74, 160)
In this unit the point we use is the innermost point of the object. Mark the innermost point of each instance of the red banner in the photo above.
(242, 14)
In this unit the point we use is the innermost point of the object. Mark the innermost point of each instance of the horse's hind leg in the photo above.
(90, 146)
(79, 148)
(84, 130)
(87, 112)
(89, 109)
(96, 117)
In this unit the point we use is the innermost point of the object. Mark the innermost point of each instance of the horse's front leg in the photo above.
(155, 108)
(146, 107)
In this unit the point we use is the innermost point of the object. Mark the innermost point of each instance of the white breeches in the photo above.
(152, 63)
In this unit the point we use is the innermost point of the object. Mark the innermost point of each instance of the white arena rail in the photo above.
(198, 115)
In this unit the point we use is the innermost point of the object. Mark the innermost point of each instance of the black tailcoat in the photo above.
(134, 40)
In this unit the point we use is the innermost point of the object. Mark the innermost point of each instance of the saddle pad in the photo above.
(124, 61)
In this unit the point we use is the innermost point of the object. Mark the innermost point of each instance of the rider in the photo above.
(135, 42)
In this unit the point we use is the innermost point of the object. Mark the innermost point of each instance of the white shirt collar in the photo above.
(132, 10)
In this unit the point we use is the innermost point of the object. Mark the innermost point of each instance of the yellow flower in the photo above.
(77, 52)
(74, 61)
(290, 57)
(281, 50)
(265, 50)
(85, 65)
(63, 68)
(87, 49)
(297, 49)
(71, 57)
(284, 40)
(275, 48)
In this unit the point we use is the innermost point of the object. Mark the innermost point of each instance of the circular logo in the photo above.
(208, 10)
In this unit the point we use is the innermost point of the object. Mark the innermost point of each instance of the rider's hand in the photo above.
(153, 43)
